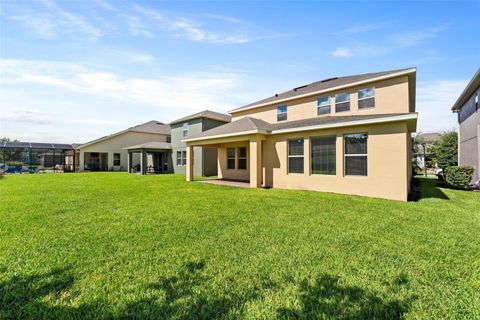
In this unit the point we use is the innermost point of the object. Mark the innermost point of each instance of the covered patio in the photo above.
(150, 158)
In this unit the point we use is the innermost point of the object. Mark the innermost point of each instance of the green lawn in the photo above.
(113, 245)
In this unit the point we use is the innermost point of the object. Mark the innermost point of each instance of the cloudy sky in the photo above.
(71, 71)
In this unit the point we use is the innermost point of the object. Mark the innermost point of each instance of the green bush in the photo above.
(459, 177)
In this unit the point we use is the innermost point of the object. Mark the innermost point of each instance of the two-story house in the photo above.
(205, 159)
(468, 111)
(347, 135)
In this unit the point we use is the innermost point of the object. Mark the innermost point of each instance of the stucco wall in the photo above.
(116, 144)
(194, 127)
(469, 144)
(233, 174)
(391, 96)
(388, 154)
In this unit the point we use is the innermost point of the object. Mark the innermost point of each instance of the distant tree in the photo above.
(445, 150)
(5, 139)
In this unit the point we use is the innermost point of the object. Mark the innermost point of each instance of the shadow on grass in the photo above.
(424, 188)
(327, 298)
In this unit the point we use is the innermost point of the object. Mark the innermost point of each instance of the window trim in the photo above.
(184, 158)
(349, 100)
(295, 156)
(119, 159)
(282, 113)
(185, 129)
(361, 99)
(241, 158)
(230, 158)
(179, 159)
(329, 106)
(354, 155)
(311, 155)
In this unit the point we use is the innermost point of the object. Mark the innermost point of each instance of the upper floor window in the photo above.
(281, 113)
(342, 102)
(366, 98)
(295, 156)
(185, 129)
(169, 139)
(356, 154)
(323, 105)
(116, 159)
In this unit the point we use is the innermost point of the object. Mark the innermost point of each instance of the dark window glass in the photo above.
(179, 158)
(230, 158)
(356, 161)
(324, 155)
(169, 139)
(184, 158)
(116, 159)
(282, 113)
(242, 158)
(295, 156)
(366, 98)
(342, 102)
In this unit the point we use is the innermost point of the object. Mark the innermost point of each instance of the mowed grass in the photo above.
(114, 245)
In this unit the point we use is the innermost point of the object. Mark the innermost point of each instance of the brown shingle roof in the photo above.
(248, 124)
(205, 114)
(152, 126)
(325, 84)
(151, 145)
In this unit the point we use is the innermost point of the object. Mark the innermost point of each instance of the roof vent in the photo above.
(301, 87)
(329, 79)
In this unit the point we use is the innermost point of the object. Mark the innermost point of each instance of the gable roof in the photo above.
(467, 92)
(205, 114)
(248, 125)
(153, 126)
(325, 85)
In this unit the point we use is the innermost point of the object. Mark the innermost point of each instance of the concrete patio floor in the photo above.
(229, 183)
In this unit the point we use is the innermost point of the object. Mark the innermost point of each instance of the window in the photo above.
(185, 129)
(323, 155)
(184, 158)
(342, 102)
(242, 158)
(476, 102)
(366, 98)
(116, 159)
(282, 113)
(230, 158)
(323, 105)
(356, 154)
(295, 156)
(169, 139)
(179, 158)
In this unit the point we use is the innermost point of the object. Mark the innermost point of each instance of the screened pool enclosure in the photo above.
(32, 157)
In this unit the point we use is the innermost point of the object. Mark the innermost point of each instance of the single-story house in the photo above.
(467, 108)
(348, 135)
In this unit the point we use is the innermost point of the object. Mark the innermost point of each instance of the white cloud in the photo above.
(26, 115)
(434, 101)
(356, 29)
(342, 53)
(415, 38)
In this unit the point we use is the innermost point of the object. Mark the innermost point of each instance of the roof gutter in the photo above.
(236, 134)
(384, 77)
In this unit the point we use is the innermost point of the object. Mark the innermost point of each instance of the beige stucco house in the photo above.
(137, 148)
(348, 135)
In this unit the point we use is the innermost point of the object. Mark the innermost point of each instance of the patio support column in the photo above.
(143, 157)
(255, 163)
(189, 169)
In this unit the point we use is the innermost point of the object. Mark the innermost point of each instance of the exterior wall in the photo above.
(116, 144)
(233, 174)
(469, 140)
(388, 152)
(205, 160)
(391, 96)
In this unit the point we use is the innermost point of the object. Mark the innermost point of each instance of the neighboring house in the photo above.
(468, 110)
(347, 135)
(424, 147)
(142, 148)
(205, 162)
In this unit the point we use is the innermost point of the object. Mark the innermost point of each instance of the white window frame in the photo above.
(295, 156)
(348, 100)
(185, 129)
(361, 99)
(119, 159)
(283, 112)
(241, 158)
(179, 159)
(230, 158)
(345, 155)
(329, 105)
(184, 158)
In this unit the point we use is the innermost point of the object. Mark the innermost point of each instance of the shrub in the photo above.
(458, 177)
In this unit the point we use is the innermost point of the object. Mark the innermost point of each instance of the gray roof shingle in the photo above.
(319, 86)
(205, 114)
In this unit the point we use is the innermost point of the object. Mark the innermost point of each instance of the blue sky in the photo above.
(72, 71)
